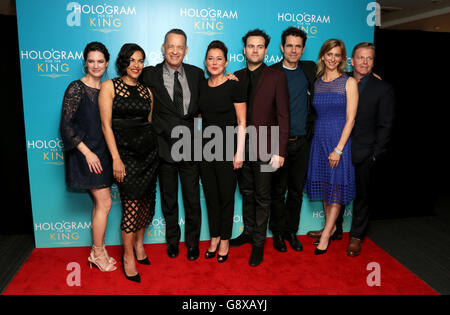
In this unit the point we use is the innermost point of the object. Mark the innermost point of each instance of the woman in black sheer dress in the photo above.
(126, 111)
(87, 160)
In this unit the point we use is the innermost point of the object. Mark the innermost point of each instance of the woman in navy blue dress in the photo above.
(331, 176)
(87, 159)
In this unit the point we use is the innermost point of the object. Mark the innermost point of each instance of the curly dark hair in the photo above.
(96, 46)
(257, 32)
(123, 59)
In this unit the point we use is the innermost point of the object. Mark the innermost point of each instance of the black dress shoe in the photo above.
(193, 253)
(293, 241)
(172, 250)
(278, 243)
(241, 240)
(256, 256)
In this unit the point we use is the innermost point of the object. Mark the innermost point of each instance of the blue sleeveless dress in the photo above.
(335, 185)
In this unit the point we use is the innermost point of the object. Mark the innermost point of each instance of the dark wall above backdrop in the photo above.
(15, 206)
(416, 172)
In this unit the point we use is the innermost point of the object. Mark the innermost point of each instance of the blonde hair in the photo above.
(326, 47)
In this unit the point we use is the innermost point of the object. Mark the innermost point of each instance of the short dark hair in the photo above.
(257, 32)
(217, 44)
(96, 46)
(123, 59)
(176, 31)
(293, 31)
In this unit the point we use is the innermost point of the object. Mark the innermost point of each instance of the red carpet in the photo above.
(288, 273)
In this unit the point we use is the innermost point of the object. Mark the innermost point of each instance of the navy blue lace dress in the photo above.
(334, 185)
(80, 122)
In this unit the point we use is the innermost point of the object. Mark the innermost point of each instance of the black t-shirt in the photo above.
(216, 106)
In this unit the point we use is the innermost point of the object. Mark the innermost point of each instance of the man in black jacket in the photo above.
(175, 87)
(285, 215)
(370, 136)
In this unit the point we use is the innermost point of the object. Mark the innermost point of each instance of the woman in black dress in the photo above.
(126, 112)
(87, 160)
(222, 104)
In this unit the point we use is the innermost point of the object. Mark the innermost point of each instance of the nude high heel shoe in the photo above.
(102, 262)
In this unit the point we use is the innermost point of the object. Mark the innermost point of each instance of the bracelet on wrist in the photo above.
(337, 151)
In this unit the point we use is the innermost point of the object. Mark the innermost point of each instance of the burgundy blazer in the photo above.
(270, 106)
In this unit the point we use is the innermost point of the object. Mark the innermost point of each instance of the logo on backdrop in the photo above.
(307, 22)
(52, 63)
(99, 17)
(52, 150)
(62, 232)
(209, 21)
(239, 59)
(156, 232)
(320, 215)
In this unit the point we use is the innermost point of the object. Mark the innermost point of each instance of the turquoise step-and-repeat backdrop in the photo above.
(52, 36)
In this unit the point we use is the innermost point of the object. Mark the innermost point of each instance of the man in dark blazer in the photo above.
(267, 106)
(370, 136)
(175, 87)
(285, 213)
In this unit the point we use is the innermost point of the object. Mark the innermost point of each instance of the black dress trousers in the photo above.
(168, 184)
(285, 213)
(219, 182)
(361, 213)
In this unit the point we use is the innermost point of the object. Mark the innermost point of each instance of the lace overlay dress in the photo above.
(335, 185)
(80, 122)
(137, 146)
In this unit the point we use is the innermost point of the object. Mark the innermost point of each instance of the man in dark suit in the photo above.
(175, 87)
(285, 215)
(370, 136)
(267, 106)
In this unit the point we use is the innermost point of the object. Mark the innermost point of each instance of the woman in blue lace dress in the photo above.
(331, 175)
(87, 159)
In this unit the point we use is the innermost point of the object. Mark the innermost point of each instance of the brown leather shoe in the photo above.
(354, 247)
(315, 234)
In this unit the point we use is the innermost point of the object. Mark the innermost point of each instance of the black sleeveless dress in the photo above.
(137, 146)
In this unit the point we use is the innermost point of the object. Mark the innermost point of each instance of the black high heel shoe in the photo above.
(323, 251)
(144, 261)
(220, 258)
(333, 237)
(135, 278)
(209, 255)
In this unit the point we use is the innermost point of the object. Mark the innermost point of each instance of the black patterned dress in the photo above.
(137, 146)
